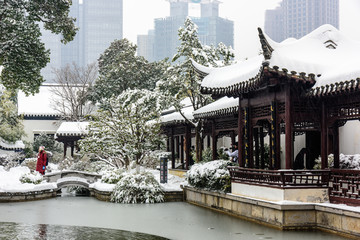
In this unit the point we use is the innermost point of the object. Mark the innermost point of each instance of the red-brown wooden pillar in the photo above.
(65, 148)
(262, 149)
(257, 152)
(177, 146)
(240, 135)
(336, 146)
(182, 151)
(324, 137)
(214, 140)
(289, 135)
(187, 145)
(172, 149)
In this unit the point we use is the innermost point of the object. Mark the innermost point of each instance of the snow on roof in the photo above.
(11, 146)
(325, 52)
(72, 129)
(186, 102)
(224, 105)
(38, 104)
(177, 117)
(230, 75)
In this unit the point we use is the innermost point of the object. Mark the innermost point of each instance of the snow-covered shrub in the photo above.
(112, 177)
(345, 161)
(10, 159)
(212, 175)
(30, 163)
(137, 188)
(152, 159)
(32, 177)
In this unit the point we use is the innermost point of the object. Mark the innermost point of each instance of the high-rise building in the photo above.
(99, 23)
(296, 18)
(212, 29)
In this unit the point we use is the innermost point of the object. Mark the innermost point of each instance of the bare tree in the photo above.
(71, 91)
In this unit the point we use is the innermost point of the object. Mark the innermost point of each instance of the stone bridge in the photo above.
(72, 178)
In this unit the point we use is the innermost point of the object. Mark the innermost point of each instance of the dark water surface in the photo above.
(88, 218)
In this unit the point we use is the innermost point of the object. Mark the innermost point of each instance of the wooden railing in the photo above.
(281, 178)
(344, 186)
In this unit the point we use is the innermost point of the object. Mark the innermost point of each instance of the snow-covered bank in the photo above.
(9, 181)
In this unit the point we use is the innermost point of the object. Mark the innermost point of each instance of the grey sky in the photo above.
(247, 15)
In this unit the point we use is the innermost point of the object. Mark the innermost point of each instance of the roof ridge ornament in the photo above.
(267, 49)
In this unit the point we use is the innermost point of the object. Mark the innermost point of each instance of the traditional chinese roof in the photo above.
(175, 117)
(38, 105)
(72, 129)
(221, 107)
(11, 146)
(325, 60)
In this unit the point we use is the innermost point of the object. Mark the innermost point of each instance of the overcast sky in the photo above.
(247, 15)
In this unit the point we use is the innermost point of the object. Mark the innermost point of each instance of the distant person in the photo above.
(41, 160)
(299, 159)
(234, 155)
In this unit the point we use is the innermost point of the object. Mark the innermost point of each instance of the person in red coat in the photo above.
(41, 160)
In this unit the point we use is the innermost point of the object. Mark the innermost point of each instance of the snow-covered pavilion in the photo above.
(307, 87)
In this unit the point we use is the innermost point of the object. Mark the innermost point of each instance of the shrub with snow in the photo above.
(32, 177)
(112, 177)
(137, 188)
(30, 163)
(212, 175)
(345, 161)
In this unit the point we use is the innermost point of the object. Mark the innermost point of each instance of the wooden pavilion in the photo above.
(69, 133)
(310, 87)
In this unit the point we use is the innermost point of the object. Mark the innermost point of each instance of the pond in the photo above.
(70, 217)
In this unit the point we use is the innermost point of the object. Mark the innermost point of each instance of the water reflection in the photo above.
(10, 231)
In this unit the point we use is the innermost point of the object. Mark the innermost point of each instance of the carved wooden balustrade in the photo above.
(281, 178)
(344, 186)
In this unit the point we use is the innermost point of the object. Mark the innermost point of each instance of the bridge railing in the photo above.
(90, 177)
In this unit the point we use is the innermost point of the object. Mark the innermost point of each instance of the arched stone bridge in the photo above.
(72, 178)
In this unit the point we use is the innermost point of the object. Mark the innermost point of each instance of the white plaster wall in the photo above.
(32, 127)
(349, 137)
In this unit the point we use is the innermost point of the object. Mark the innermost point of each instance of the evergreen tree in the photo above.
(22, 54)
(11, 127)
(120, 69)
(126, 130)
(182, 81)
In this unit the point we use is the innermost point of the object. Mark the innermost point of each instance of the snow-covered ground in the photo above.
(9, 181)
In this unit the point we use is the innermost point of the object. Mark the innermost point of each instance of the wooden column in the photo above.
(241, 135)
(336, 146)
(187, 145)
(250, 140)
(257, 152)
(324, 137)
(168, 144)
(177, 146)
(214, 140)
(172, 149)
(65, 148)
(208, 137)
(262, 149)
(182, 151)
(72, 146)
(289, 135)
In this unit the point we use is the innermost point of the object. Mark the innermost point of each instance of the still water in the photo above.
(87, 218)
